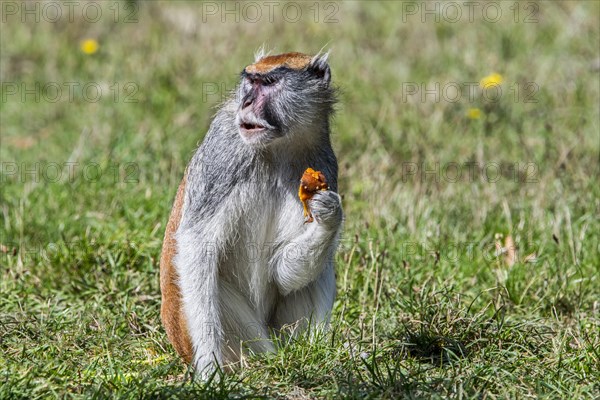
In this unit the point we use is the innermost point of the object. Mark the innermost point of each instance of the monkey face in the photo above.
(287, 95)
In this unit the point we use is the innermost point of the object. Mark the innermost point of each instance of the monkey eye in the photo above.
(265, 80)
(269, 80)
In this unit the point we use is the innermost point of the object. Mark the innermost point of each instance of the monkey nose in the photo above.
(248, 99)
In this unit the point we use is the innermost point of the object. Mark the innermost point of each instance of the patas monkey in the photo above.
(238, 260)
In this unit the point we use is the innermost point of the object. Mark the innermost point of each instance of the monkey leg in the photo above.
(309, 306)
(171, 305)
(243, 329)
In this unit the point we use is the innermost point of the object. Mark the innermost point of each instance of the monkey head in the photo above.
(287, 95)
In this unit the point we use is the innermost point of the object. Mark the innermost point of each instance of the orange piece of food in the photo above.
(312, 181)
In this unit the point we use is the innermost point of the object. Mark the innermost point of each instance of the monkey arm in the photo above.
(298, 262)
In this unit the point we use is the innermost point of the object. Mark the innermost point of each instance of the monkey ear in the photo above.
(319, 65)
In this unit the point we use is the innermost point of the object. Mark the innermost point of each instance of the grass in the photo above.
(427, 307)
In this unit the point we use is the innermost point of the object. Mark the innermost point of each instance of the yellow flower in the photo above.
(473, 113)
(491, 80)
(89, 46)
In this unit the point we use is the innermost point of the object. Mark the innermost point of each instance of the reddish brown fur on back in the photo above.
(269, 63)
(171, 310)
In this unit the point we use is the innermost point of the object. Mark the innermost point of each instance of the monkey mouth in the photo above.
(252, 127)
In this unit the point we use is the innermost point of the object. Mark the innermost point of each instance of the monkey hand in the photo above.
(326, 207)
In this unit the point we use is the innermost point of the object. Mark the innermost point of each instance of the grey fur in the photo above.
(248, 264)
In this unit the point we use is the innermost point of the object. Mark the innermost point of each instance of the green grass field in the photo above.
(433, 300)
